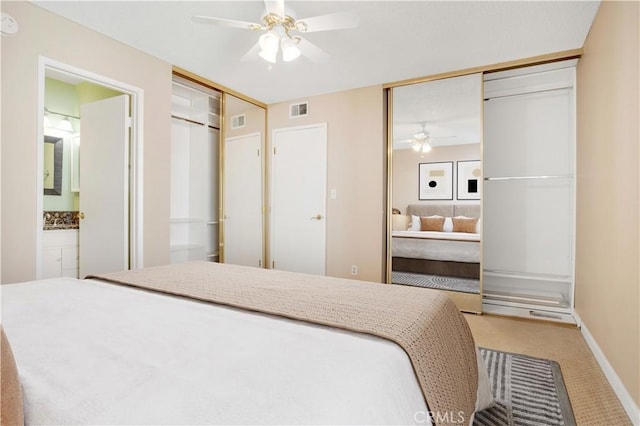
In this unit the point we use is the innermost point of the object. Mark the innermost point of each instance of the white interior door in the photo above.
(298, 201)
(243, 200)
(104, 186)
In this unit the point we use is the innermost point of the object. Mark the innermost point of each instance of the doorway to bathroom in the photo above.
(89, 151)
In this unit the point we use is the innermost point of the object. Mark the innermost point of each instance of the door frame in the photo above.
(136, 249)
(271, 184)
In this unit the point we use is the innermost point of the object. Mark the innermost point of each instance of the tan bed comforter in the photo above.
(425, 323)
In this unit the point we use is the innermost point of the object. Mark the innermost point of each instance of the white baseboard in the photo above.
(618, 387)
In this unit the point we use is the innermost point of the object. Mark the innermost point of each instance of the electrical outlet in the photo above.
(354, 269)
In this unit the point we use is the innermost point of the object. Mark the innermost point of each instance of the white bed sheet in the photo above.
(444, 246)
(436, 235)
(90, 352)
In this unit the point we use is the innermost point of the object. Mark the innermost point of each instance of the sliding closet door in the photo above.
(243, 183)
(529, 189)
(243, 200)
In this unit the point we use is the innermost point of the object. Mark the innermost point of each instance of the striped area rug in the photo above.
(527, 391)
(438, 282)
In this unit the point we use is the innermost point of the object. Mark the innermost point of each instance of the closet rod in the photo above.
(529, 177)
(194, 122)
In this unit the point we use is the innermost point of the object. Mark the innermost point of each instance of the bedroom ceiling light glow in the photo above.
(281, 32)
(290, 49)
(420, 143)
(279, 36)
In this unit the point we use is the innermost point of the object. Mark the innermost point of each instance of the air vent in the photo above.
(299, 110)
(238, 121)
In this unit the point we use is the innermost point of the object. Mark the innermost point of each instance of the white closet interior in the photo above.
(529, 191)
(195, 138)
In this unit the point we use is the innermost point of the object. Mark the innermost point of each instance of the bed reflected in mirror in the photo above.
(436, 187)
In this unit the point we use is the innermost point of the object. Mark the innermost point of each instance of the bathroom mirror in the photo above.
(52, 167)
(435, 187)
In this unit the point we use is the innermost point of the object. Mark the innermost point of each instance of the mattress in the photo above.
(443, 246)
(99, 353)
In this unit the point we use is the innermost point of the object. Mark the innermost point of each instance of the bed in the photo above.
(208, 343)
(455, 254)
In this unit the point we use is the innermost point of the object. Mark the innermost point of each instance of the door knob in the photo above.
(81, 215)
(316, 217)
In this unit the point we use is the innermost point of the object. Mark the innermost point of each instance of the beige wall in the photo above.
(42, 33)
(255, 117)
(607, 256)
(405, 172)
(355, 219)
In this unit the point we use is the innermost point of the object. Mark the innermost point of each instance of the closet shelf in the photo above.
(554, 301)
(528, 276)
(489, 179)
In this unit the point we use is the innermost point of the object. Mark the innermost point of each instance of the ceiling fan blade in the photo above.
(313, 52)
(275, 6)
(252, 54)
(221, 22)
(332, 21)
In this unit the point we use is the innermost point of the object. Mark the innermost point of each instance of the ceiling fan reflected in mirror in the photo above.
(423, 141)
(282, 32)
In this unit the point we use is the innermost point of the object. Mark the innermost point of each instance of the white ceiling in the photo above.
(448, 110)
(393, 41)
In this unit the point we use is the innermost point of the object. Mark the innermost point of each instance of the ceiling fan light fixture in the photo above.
(269, 42)
(281, 31)
(268, 56)
(426, 147)
(289, 48)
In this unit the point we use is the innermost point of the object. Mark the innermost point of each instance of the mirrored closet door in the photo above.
(435, 187)
(243, 185)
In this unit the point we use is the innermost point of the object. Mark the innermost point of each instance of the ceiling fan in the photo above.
(423, 141)
(282, 32)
